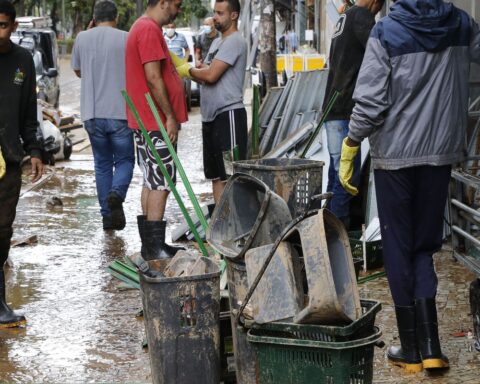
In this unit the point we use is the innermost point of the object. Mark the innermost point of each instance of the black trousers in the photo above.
(10, 186)
(411, 204)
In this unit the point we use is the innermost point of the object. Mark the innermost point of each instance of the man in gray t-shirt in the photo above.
(224, 118)
(98, 58)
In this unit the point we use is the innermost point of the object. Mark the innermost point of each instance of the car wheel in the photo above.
(57, 100)
(475, 311)
(42, 96)
(67, 148)
(187, 86)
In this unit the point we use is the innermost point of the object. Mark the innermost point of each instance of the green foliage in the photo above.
(190, 8)
(126, 13)
(79, 12)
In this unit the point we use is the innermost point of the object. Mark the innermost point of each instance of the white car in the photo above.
(192, 89)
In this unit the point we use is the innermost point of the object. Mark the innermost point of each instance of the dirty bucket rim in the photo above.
(254, 164)
(335, 345)
(177, 279)
(225, 251)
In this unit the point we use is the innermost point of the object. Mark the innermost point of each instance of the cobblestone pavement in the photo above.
(82, 328)
(453, 316)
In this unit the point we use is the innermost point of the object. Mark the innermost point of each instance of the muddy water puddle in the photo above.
(81, 326)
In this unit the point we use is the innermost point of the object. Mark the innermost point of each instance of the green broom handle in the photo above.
(165, 174)
(176, 160)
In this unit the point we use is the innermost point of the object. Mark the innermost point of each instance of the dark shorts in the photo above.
(228, 130)
(152, 175)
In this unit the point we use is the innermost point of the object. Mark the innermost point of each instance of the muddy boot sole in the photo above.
(408, 367)
(13, 324)
(436, 364)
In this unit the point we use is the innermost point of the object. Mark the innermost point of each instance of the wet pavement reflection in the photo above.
(81, 326)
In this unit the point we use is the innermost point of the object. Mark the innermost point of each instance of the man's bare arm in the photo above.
(153, 74)
(210, 74)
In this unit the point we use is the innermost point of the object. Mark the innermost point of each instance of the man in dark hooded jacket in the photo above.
(412, 102)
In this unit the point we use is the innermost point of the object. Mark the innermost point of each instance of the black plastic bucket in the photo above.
(182, 325)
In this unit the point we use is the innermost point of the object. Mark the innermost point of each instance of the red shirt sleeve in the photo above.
(149, 46)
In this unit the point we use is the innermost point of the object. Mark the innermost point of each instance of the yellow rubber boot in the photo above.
(407, 355)
(427, 332)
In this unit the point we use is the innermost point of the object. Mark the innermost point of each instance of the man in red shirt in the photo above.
(149, 68)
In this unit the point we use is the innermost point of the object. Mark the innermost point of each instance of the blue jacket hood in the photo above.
(432, 23)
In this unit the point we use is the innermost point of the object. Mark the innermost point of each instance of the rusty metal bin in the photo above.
(328, 275)
(182, 325)
(329, 271)
(295, 180)
(248, 215)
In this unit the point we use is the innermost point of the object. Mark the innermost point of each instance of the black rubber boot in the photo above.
(427, 332)
(154, 242)
(172, 249)
(141, 229)
(407, 355)
(115, 203)
(8, 318)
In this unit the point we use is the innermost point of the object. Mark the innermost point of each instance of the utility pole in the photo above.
(64, 28)
(267, 43)
(139, 8)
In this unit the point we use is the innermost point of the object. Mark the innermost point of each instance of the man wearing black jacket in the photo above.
(18, 127)
(346, 55)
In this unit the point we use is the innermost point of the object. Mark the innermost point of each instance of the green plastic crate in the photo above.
(360, 328)
(296, 361)
(374, 250)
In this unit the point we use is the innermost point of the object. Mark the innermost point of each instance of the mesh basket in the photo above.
(359, 328)
(294, 360)
(295, 180)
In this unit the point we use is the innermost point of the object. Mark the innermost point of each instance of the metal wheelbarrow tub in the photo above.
(330, 274)
(279, 294)
(248, 215)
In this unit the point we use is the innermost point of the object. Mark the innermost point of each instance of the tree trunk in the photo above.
(78, 22)
(54, 16)
(139, 8)
(267, 43)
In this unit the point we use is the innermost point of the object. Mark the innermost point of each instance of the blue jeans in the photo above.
(337, 130)
(114, 157)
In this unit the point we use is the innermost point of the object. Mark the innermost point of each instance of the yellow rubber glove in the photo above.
(177, 61)
(345, 172)
(184, 71)
(3, 166)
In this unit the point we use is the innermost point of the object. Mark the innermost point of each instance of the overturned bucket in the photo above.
(248, 215)
(182, 325)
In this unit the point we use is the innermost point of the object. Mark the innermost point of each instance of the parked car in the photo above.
(35, 34)
(192, 89)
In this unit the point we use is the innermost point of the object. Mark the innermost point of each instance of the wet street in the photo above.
(82, 324)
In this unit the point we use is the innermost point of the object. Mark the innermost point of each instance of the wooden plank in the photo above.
(27, 240)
